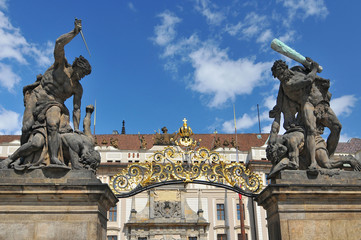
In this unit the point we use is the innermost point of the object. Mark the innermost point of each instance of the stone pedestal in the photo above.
(53, 204)
(324, 206)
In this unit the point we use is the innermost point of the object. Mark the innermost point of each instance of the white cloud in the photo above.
(270, 102)
(244, 122)
(342, 106)
(247, 121)
(265, 36)
(233, 30)
(222, 78)
(14, 46)
(3, 4)
(344, 138)
(11, 41)
(305, 8)
(288, 37)
(253, 25)
(215, 125)
(10, 122)
(181, 46)
(41, 55)
(165, 32)
(8, 79)
(208, 10)
(267, 128)
(131, 7)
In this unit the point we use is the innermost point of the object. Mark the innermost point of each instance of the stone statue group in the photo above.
(47, 138)
(304, 100)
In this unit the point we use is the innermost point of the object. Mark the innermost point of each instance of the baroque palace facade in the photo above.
(184, 211)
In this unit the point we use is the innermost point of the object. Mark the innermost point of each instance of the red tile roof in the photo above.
(132, 142)
(8, 138)
(352, 146)
(245, 141)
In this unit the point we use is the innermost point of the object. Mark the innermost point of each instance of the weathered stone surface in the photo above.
(166, 218)
(64, 205)
(326, 176)
(303, 101)
(323, 206)
(47, 137)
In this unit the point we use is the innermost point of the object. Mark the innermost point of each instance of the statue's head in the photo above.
(91, 159)
(279, 68)
(164, 130)
(276, 152)
(81, 67)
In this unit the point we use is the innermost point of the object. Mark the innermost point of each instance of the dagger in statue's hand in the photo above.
(82, 36)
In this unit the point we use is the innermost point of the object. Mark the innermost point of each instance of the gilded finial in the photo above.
(184, 122)
(185, 133)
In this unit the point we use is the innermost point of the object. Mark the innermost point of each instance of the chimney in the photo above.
(123, 128)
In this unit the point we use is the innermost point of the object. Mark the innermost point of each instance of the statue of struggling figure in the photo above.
(304, 101)
(46, 116)
(77, 147)
(310, 98)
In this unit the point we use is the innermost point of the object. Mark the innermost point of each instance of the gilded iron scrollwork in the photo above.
(171, 166)
(185, 163)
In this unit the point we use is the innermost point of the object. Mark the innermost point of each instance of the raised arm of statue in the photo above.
(87, 121)
(313, 69)
(59, 53)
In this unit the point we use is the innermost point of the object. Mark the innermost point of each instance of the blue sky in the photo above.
(157, 62)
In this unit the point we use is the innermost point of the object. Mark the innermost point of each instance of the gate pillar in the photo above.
(302, 206)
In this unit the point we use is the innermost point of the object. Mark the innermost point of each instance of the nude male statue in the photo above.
(44, 101)
(310, 97)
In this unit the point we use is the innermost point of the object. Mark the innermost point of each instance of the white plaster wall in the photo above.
(193, 204)
(113, 156)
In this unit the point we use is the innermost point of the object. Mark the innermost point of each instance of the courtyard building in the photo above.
(183, 211)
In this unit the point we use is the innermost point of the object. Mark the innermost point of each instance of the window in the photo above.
(113, 214)
(192, 238)
(220, 211)
(142, 238)
(112, 237)
(221, 236)
(239, 212)
(240, 236)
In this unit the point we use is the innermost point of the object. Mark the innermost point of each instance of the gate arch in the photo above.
(173, 167)
(185, 163)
